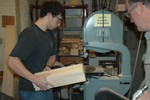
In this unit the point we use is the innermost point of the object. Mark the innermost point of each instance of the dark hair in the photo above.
(54, 7)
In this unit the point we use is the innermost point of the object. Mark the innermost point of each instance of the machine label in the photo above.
(102, 20)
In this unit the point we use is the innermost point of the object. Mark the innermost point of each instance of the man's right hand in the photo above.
(42, 83)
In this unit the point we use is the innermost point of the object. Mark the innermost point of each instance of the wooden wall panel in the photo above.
(8, 20)
(8, 77)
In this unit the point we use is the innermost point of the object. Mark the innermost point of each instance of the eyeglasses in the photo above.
(129, 13)
(59, 19)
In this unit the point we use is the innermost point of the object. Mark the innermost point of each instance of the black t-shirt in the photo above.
(33, 47)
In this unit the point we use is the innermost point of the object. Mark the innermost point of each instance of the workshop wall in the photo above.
(18, 10)
(7, 8)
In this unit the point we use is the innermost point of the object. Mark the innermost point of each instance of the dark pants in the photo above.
(38, 95)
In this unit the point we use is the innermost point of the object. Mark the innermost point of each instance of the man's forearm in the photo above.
(16, 65)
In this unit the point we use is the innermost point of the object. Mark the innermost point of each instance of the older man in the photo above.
(139, 13)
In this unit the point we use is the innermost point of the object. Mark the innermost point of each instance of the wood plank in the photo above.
(63, 76)
(8, 76)
(8, 20)
(70, 59)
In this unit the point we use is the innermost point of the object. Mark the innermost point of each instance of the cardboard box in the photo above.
(64, 76)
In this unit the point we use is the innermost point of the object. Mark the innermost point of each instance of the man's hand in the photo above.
(144, 96)
(42, 83)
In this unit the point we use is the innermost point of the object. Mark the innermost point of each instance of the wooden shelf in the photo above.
(70, 50)
(66, 60)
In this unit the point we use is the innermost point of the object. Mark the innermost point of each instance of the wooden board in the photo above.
(8, 76)
(63, 76)
(66, 60)
(7, 20)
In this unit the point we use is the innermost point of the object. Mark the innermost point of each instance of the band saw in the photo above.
(110, 68)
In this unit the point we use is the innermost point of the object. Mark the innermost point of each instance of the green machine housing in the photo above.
(103, 32)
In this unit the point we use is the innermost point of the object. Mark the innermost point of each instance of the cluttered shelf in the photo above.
(70, 50)
(71, 60)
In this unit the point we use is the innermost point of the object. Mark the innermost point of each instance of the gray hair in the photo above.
(145, 2)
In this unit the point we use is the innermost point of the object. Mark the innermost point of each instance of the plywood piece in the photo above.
(7, 20)
(63, 76)
(8, 77)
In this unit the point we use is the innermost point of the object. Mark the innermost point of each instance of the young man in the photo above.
(139, 13)
(34, 52)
